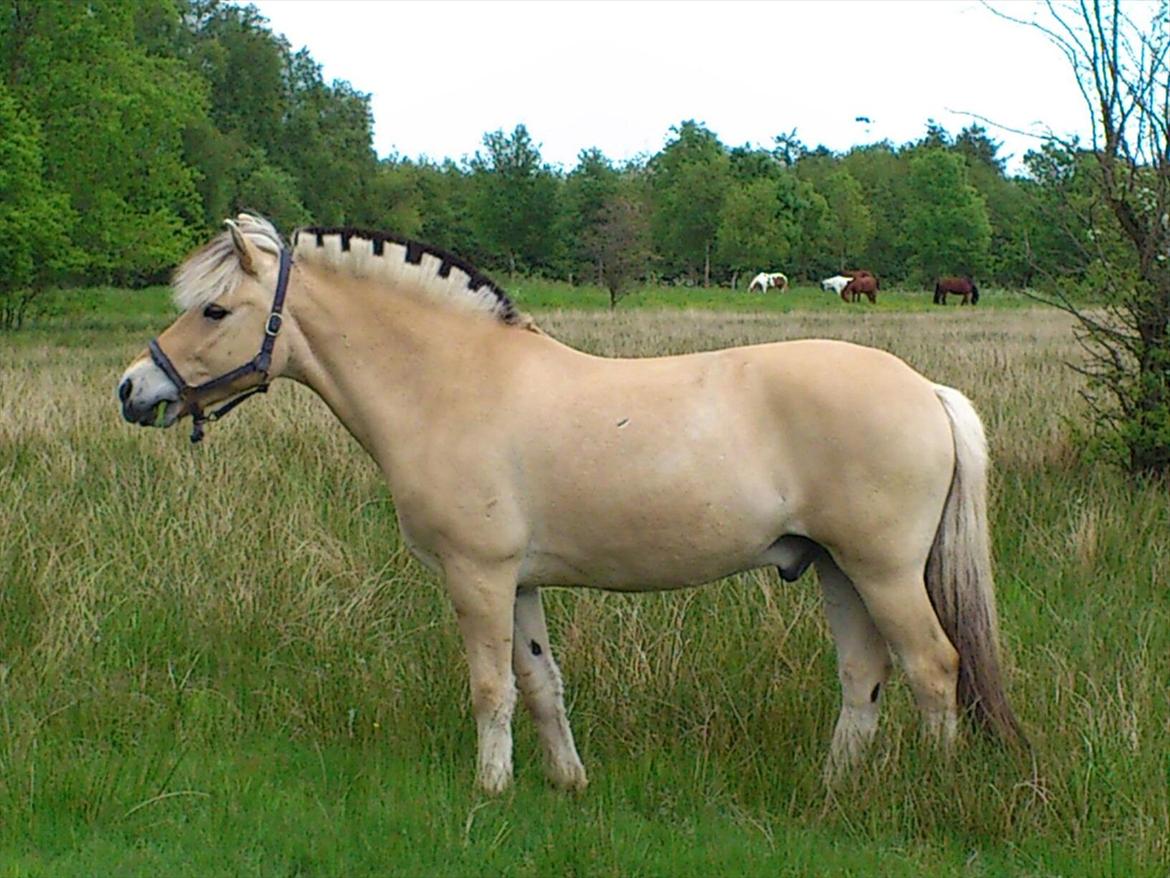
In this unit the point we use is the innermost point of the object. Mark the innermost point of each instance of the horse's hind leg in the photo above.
(540, 685)
(863, 666)
(901, 609)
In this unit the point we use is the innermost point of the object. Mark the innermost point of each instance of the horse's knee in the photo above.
(493, 697)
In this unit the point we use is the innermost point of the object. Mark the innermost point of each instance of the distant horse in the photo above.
(515, 462)
(959, 286)
(836, 283)
(862, 272)
(765, 281)
(861, 285)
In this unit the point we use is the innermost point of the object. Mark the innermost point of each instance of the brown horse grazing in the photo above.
(863, 272)
(861, 285)
(516, 462)
(959, 286)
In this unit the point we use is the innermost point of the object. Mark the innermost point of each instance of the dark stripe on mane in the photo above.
(414, 255)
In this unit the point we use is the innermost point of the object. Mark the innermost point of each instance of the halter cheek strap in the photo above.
(260, 363)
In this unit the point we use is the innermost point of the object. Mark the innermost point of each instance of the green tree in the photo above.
(270, 191)
(883, 173)
(516, 207)
(979, 149)
(326, 142)
(689, 177)
(244, 66)
(446, 207)
(621, 239)
(112, 117)
(390, 199)
(849, 225)
(35, 221)
(946, 222)
(756, 232)
(589, 188)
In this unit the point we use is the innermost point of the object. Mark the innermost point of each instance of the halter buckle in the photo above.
(273, 325)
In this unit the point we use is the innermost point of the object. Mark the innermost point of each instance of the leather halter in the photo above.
(260, 363)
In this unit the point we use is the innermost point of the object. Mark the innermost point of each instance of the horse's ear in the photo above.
(245, 250)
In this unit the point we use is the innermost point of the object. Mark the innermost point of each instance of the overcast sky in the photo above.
(618, 75)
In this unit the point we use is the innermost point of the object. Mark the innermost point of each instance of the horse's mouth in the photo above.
(163, 413)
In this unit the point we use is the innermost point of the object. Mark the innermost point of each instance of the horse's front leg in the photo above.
(540, 684)
(484, 595)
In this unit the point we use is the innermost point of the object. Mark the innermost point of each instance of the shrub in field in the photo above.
(1112, 200)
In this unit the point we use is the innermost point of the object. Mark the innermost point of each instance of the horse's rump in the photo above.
(863, 272)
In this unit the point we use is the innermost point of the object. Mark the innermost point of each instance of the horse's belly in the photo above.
(654, 571)
(648, 542)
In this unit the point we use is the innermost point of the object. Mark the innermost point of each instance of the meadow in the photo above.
(222, 660)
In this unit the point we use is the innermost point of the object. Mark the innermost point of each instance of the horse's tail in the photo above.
(959, 579)
(937, 291)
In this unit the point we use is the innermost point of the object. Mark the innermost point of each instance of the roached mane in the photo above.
(385, 255)
(213, 271)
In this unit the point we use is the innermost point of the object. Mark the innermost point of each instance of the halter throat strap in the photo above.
(260, 363)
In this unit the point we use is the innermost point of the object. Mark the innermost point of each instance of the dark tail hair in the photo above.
(959, 579)
(974, 294)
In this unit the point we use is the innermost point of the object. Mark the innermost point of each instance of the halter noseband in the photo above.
(259, 363)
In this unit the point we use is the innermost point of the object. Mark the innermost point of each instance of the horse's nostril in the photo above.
(124, 390)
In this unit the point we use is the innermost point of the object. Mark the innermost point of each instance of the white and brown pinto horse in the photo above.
(517, 462)
(835, 284)
(765, 281)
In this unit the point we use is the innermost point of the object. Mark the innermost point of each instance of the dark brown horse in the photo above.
(958, 286)
(863, 284)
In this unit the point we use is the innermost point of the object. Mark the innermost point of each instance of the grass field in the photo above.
(222, 661)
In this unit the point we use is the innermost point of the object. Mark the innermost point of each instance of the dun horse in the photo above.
(516, 462)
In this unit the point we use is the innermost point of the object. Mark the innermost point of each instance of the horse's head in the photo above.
(224, 343)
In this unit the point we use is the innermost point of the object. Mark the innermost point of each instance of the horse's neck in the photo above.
(377, 356)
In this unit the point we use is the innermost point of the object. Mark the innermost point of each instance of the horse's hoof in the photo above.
(570, 778)
(494, 781)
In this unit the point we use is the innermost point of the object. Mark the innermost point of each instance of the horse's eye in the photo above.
(215, 312)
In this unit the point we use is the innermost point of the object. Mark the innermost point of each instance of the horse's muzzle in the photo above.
(143, 412)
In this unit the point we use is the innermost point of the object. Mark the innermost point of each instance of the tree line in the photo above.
(133, 127)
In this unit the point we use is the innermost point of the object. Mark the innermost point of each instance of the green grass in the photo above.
(94, 308)
(542, 295)
(221, 661)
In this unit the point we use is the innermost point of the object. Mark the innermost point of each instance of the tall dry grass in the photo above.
(159, 599)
